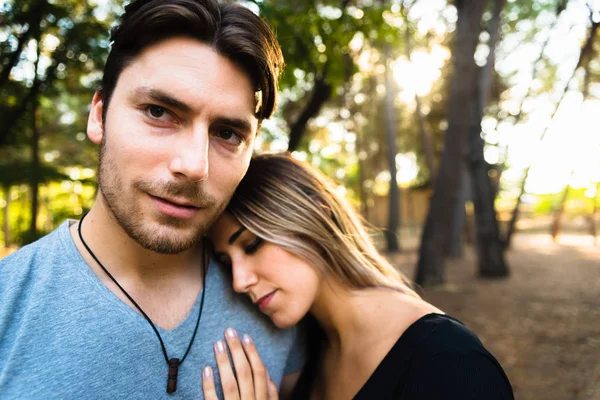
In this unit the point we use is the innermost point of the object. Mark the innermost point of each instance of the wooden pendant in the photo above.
(173, 371)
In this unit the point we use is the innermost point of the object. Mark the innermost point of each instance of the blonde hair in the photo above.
(291, 204)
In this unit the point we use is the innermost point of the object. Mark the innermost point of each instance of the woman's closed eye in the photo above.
(253, 246)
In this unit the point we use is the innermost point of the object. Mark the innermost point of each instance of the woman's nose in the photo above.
(243, 276)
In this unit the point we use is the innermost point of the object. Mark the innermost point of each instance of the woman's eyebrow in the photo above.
(236, 235)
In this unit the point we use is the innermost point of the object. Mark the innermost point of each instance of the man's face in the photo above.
(176, 142)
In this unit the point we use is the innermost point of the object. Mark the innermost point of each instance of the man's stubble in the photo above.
(133, 221)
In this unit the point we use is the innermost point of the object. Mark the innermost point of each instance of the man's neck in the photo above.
(164, 286)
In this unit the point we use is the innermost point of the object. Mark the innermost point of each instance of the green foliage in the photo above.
(51, 64)
(315, 36)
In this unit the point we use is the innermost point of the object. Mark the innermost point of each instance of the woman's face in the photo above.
(280, 284)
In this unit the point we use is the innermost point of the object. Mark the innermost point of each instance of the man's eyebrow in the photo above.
(236, 235)
(163, 97)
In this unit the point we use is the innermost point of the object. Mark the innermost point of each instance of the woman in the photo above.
(298, 250)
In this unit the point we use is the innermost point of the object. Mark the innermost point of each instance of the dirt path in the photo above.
(542, 323)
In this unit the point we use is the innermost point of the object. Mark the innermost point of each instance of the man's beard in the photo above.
(133, 221)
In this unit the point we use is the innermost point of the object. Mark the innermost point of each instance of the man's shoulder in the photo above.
(37, 255)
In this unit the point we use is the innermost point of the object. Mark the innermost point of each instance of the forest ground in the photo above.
(542, 323)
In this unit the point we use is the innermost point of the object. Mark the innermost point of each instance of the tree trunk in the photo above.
(391, 233)
(459, 220)
(558, 213)
(320, 94)
(364, 198)
(35, 146)
(411, 216)
(490, 251)
(487, 72)
(5, 226)
(35, 171)
(434, 241)
(469, 177)
(14, 116)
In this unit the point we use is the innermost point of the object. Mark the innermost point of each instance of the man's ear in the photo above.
(95, 126)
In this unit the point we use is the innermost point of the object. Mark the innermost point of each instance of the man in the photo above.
(119, 304)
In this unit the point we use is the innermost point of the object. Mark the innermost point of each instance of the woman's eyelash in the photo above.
(252, 247)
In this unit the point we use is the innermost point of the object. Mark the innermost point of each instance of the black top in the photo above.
(437, 357)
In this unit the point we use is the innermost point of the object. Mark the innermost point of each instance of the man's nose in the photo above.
(191, 155)
(243, 276)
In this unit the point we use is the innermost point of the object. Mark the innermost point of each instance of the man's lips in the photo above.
(264, 301)
(175, 208)
(177, 202)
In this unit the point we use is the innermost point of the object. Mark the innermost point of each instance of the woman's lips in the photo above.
(263, 302)
(174, 210)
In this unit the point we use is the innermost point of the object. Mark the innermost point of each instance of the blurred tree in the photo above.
(474, 171)
(49, 72)
(5, 228)
(490, 252)
(559, 211)
(434, 239)
(391, 233)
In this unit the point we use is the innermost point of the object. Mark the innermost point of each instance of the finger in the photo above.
(245, 378)
(208, 384)
(228, 382)
(273, 392)
(258, 368)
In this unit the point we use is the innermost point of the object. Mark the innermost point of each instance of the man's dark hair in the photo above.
(231, 30)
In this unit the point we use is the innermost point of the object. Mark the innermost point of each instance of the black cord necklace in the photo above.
(173, 363)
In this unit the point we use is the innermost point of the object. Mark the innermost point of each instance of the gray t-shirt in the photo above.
(64, 335)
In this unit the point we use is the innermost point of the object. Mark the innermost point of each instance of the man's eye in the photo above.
(252, 247)
(157, 112)
(230, 136)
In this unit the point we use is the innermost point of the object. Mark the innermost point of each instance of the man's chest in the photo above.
(82, 346)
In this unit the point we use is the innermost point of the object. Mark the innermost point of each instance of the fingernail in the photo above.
(230, 332)
(208, 372)
(246, 339)
(220, 347)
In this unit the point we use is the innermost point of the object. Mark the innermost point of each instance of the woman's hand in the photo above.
(253, 381)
